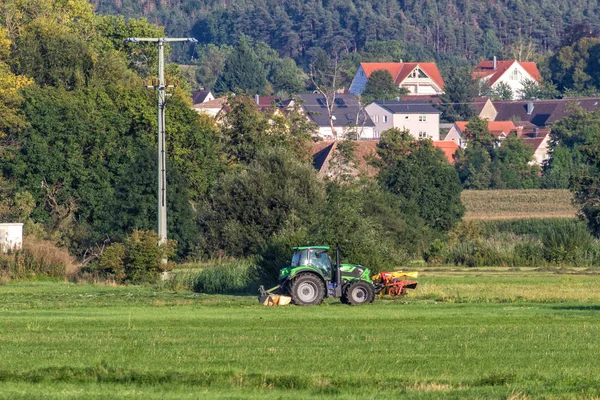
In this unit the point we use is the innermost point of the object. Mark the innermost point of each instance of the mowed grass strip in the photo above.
(69, 341)
(516, 204)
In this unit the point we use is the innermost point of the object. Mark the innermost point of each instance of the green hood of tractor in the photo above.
(350, 272)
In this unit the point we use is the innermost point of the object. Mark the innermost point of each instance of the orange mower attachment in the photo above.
(394, 283)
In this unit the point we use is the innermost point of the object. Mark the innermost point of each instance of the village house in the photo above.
(420, 79)
(499, 129)
(202, 96)
(537, 138)
(348, 117)
(420, 118)
(324, 158)
(512, 73)
(211, 107)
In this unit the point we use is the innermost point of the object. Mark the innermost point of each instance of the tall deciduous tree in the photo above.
(577, 67)
(381, 86)
(420, 173)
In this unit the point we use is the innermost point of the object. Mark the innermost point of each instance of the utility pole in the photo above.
(162, 96)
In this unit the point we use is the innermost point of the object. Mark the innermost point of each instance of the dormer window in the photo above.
(515, 75)
(418, 73)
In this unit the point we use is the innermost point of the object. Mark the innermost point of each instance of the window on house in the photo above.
(515, 75)
(422, 135)
(418, 73)
(385, 118)
(376, 118)
(422, 118)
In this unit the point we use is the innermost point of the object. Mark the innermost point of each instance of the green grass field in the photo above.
(476, 334)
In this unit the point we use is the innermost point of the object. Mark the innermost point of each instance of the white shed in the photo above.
(11, 236)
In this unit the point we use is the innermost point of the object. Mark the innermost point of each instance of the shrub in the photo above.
(566, 242)
(37, 258)
(138, 260)
(437, 252)
(229, 277)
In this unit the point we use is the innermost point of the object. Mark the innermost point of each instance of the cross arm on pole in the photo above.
(164, 40)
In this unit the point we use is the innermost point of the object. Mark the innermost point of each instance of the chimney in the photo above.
(401, 60)
(530, 108)
(256, 99)
(520, 130)
(495, 63)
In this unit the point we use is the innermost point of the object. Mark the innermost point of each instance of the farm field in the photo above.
(461, 334)
(516, 204)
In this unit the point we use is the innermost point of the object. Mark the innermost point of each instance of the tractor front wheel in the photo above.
(358, 293)
(307, 290)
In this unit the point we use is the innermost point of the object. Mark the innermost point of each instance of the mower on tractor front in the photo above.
(312, 276)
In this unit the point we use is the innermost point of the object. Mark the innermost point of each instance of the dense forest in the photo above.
(442, 30)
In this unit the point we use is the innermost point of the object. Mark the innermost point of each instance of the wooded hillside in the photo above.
(433, 29)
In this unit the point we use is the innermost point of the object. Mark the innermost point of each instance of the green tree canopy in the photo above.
(577, 67)
(420, 174)
(459, 91)
(243, 72)
(490, 163)
(381, 86)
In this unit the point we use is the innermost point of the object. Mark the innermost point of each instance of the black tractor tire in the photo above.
(307, 290)
(359, 292)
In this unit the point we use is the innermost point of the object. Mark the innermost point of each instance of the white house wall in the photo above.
(382, 118)
(430, 127)
(516, 86)
(455, 136)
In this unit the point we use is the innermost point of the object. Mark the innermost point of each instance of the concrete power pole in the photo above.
(162, 95)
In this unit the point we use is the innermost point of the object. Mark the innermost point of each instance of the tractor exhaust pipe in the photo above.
(338, 273)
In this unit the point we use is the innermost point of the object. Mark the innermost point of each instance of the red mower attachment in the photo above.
(394, 283)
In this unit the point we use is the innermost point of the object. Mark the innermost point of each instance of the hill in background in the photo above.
(444, 30)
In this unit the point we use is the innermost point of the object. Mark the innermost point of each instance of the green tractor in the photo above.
(313, 276)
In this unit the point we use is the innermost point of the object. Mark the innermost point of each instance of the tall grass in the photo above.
(516, 243)
(216, 277)
(37, 258)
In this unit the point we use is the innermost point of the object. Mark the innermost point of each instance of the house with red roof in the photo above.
(538, 139)
(499, 129)
(420, 78)
(324, 153)
(508, 72)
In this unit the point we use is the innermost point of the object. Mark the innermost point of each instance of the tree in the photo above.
(420, 174)
(488, 163)
(10, 86)
(491, 46)
(381, 86)
(210, 63)
(325, 77)
(242, 72)
(576, 67)
(502, 91)
(252, 203)
(586, 184)
(533, 90)
(568, 140)
(285, 77)
(512, 167)
(459, 91)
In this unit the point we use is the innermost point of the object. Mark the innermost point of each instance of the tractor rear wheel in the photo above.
(359, 292)
(307, 290)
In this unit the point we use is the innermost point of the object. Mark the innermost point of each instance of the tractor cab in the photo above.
(313, 257)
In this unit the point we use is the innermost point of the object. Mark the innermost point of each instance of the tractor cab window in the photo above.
(320, 259)
(300, 258)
